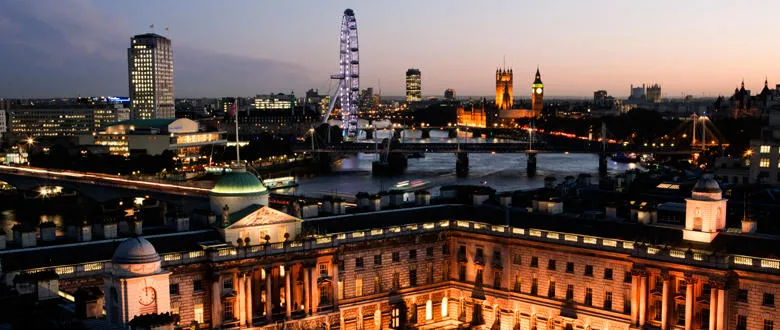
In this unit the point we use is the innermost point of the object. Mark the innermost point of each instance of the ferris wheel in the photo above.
(349, 76)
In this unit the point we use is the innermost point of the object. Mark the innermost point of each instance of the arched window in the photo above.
(444, 308)
(429, 310)
(378, 319)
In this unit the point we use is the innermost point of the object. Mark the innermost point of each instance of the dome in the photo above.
(136, 250)
(239, 183)
(707, 185)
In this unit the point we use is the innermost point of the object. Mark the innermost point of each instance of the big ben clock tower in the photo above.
(537, 94)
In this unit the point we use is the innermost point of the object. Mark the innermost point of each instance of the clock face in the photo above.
(148, 296)
(538, 91)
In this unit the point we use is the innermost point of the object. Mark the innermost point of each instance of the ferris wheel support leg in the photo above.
(332, 101)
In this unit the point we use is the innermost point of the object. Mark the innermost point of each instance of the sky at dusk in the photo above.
(56, 48)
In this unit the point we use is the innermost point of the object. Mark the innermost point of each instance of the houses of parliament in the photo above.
(505, 100)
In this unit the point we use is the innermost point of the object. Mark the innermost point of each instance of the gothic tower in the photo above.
(504, 89)
(537, 94)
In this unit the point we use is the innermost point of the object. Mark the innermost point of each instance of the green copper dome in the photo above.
(239, 183)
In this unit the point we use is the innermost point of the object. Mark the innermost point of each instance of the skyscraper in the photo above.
(537, 94)
(413, 85)
(504, 98)
(150, 74)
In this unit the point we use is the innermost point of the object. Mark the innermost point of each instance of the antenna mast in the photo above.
(238, 155)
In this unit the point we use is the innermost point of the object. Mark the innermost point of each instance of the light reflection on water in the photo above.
(503, 172)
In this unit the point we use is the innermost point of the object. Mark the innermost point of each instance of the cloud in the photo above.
(55, 48)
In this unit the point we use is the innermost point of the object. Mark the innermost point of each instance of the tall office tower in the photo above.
(413, 85)
(150, 73)
(504, 98)
(537, 94)
(449, 94)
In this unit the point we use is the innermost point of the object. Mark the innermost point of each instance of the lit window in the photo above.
(764, 163)
(765, 149)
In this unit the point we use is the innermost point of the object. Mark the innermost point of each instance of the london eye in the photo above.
(348, 76)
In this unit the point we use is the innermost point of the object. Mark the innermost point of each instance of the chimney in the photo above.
(309, 210)
(375, 203)
(2, 239)
(48, 231)
(477, 198)
(362, 199)
(749, 226)
(24, 236)
(505, 199)
(338, 206)
(109, 228)
(396, 198)
(138, 227)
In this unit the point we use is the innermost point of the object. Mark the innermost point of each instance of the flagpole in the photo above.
(235, 107)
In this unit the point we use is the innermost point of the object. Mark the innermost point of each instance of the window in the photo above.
(324, 268)
(706, 289)
(429, 310)
(742, 295)
(378, 260)
(227, 310)
(358, 287)
(570, 267)
(479, 257)
(765, 149)
(627, 277)
(198, 311)
(657, 308)
(569, 292)
(396, 257)
(769, 325)
(534, 286)
(341, 289)
(396, 281)
(607, 273)
(412, 254)
(445, 249)
(680, 314)
(174, 289)
(588, 297)
(479, 279)
(227, 283)
(325, 297)
(462, 273)
(413, 277)
(551, 290)
(763, 163)
(517, 283)
(741, 322)
(429, 252)
(444, 307)
(608, 300)
(497, 280)
(517, 259)
(535, 262)
(359, 262)
(589, 270)
(551, 264)
(377, 284)
(395, 318)
(197, 285)
(768, 300)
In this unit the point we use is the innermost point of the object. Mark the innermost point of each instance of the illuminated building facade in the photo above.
(473, 117)
(653, 93)
(277, 101)
(413, 85)
(150, 73)
(504, 98)
(153, 136)
(449, 94)
(434, 267)
(63, 120)
(765, 154)
(3, 125)
(537, 94)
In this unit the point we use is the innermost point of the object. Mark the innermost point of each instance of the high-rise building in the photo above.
(599, 96)
(449, 94)
(3, 126)
(537, 94)
(653, 93)
(504, 99)
(150, 74)
(413, 85)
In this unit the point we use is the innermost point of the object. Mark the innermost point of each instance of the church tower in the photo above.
(504, 79)
(537, 94)
(705, 211)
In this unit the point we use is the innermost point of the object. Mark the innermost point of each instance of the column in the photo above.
(306, 290)
(689, 282)
(721, 322)
(241, 298)
(268, 293)
(643, 300)
(248, 294)
(216, 302)
(713, 305)
(335, 267)
(287, 291)
(634, 298)
(315, 297)
(665, 301)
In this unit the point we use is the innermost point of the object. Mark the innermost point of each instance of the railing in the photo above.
(638, 250)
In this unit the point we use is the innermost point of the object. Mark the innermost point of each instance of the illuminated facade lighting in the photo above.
(150, 73)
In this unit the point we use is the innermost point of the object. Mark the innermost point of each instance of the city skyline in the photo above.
(59, 50)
